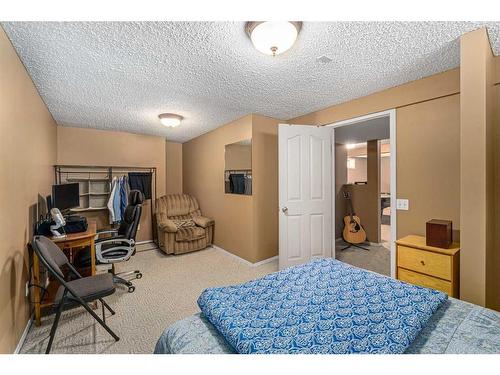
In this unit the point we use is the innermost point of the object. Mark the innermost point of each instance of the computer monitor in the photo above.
(66, 196)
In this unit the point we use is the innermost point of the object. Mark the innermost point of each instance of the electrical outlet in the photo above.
(27, 290)
(402, 204)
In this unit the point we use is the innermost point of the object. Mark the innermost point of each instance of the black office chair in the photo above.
(79, 291)
(119, 246)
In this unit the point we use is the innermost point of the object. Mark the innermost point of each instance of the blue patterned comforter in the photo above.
(324, 306)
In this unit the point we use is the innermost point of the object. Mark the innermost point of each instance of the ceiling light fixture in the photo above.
(170, 120)
(273, 38)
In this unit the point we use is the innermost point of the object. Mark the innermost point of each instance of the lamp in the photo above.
(170, 120)
(273, 38)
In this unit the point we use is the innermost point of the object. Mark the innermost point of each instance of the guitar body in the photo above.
(353, 231)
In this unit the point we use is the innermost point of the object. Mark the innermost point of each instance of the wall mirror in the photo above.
(238, 167)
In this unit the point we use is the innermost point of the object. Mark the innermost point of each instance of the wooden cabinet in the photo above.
(428, 266)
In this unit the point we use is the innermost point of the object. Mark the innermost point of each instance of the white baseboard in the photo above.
(23, 336)
(268, 260)
(143, 242)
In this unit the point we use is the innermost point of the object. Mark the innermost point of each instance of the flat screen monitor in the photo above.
(66, 196)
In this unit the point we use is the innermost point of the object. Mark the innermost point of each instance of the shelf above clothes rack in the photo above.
(95, 184)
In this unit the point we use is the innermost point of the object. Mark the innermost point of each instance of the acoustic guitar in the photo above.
(353, 230)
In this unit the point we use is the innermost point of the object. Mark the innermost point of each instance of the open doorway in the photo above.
(364, 187)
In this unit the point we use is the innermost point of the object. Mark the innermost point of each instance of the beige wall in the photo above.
(432, 87)
(173, 168)
(265, 186)
(428, 126)
(366, 198)
(385, 174)
(27, 154)
(493, 277)
(429, 169)
(340, 181)
(428, 163)
(77, 146)
(358, 173)
(203, 177)
(477, 165)
(246, 225)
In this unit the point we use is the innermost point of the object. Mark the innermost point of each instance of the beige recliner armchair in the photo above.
(181, 228)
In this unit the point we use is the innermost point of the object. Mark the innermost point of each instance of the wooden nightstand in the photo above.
(428, 266)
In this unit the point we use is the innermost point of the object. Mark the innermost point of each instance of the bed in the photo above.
(241, 318)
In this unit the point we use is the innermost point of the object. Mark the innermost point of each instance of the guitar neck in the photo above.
(351, 209)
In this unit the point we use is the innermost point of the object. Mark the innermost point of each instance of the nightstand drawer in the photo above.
(426, 262)
(424, 280)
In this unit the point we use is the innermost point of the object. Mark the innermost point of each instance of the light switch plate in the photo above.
(402, 204)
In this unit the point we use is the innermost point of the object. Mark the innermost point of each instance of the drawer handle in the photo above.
(422, 262)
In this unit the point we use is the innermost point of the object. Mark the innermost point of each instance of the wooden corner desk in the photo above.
(73, 241)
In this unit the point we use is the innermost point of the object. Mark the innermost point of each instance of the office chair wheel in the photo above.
(138, 275)
(131, 289)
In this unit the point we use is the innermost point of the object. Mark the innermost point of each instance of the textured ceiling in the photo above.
(120, 76)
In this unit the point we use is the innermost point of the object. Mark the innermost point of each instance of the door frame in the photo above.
(391, 114)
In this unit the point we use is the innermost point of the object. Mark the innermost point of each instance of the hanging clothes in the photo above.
(117, 208)
(140, 181)
(110, 204)
(127, 190)
(248, 185)
(237, 183)
(124, 190)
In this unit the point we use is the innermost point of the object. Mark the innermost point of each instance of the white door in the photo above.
(305, 193)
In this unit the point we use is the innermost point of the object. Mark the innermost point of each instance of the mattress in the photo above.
(457, 327)
(323, 306)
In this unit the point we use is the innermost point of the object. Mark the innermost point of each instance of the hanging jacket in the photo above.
(248, 185)
(141, 181)
(110, 201)
(127, 189)
(237, 183)
(123, 193)
(117, 201)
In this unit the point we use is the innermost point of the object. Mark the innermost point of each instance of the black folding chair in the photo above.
(80, 291)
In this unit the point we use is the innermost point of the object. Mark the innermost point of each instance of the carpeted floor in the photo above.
(167, 292)
(378, 259)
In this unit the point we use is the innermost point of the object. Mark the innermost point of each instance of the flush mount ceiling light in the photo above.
(170, 120)
(273, 38)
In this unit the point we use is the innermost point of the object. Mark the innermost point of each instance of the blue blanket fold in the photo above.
(324, 306)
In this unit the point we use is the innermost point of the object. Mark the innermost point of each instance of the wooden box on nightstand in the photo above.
(428, 266)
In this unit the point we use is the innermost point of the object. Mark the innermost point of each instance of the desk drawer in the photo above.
(424, 280)
(426, 262)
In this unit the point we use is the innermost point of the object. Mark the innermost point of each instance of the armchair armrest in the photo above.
(203, 221)
(168, 226)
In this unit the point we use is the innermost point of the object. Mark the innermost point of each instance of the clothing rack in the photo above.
(102, 177)
(247, 174)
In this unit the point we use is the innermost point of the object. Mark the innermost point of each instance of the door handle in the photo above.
(285, 210)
